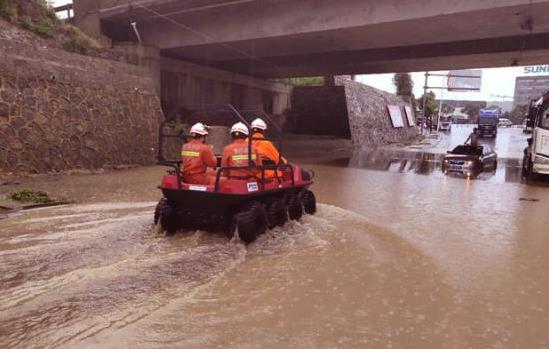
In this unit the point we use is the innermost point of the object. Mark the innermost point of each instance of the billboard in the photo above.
(410, 115)
(465, 80)
(396, 115)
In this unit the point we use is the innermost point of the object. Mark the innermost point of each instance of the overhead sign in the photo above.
(465, 80)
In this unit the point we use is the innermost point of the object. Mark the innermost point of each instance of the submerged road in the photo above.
(393, 259)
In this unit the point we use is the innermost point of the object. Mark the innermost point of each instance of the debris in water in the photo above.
(529, 199)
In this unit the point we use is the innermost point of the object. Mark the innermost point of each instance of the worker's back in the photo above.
(196, 157)
(236, 154)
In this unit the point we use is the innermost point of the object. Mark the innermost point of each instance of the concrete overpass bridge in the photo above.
(226, 51)
(283, 38)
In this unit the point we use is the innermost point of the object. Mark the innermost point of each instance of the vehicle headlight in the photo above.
(541, 160)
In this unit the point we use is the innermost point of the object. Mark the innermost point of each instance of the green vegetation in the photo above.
(447, 108)
(77, 41)
(42, 27)
(37, 17)
(8, 10)
(404, 86)
(30, 196)
(518, 114)
(431, 106)
(32, 15)
(472, 110)
(310, 81)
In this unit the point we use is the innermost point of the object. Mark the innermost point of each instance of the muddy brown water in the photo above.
(391, 260)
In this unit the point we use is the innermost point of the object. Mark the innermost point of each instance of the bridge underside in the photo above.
(286, 38)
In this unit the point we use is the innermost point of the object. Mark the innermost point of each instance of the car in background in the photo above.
(504, 123)
(445, 124)
(469, 160)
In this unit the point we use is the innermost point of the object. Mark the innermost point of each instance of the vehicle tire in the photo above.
(531, 174)
(230, 226)
(295, 208)
(251, 222)
(308, 201)
(525, 168)
(276, 213)
(167, 218)
(158, 209)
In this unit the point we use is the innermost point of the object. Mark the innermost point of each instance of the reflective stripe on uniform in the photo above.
(242, 157)
(194, 154)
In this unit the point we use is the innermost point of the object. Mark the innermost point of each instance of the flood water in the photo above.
(392, 259)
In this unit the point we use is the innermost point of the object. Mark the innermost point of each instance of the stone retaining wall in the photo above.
(368, 117)
(61, 111)
(348, 110)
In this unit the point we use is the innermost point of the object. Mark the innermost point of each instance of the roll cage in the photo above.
(181, 137)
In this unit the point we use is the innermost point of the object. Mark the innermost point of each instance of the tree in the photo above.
(447, 108)
(404, 86)
(517, 114)
(431, 106)
(472, 110)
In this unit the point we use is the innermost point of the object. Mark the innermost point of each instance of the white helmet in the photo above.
(199, 128)
(259, 123)
(240, 127)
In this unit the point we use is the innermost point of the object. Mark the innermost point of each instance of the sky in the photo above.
(495, 82)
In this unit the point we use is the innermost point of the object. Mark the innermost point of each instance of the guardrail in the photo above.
(69, 9)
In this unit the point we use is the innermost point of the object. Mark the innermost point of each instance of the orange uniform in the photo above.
(267, 151)
(197, 157)
(236, 155)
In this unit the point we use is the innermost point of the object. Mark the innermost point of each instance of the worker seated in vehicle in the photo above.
(197, 156)
(473, 138)
(236, 155)
(266, 149)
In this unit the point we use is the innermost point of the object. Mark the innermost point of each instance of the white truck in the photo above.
(536, 154)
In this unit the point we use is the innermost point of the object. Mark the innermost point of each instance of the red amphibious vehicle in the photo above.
(247, 206)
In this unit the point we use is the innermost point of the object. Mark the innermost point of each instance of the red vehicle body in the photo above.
(249, 206)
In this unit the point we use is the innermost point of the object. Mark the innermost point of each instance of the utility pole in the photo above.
(424, 99)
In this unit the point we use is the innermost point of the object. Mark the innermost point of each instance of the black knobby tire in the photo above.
(168, 219)
(308, 200)
(294, 206)
(276, 213)
(251, 222)
(230, 225)
(158, 209)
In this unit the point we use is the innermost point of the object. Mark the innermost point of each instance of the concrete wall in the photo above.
(319, 110)
(185, 84)
(349, 110)
(61, 111)
(369, 119)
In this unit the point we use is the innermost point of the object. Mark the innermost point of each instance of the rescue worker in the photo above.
(197, 156)
(236, 155)
(266, 148)
(473, 138)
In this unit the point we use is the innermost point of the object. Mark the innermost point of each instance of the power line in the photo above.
(205, 36)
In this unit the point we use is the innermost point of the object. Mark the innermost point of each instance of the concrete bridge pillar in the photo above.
(145, 56)
(87, 17)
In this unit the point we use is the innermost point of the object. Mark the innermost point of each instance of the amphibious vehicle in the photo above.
(247, 207)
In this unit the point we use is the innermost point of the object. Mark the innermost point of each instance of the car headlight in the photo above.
(541, 160)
